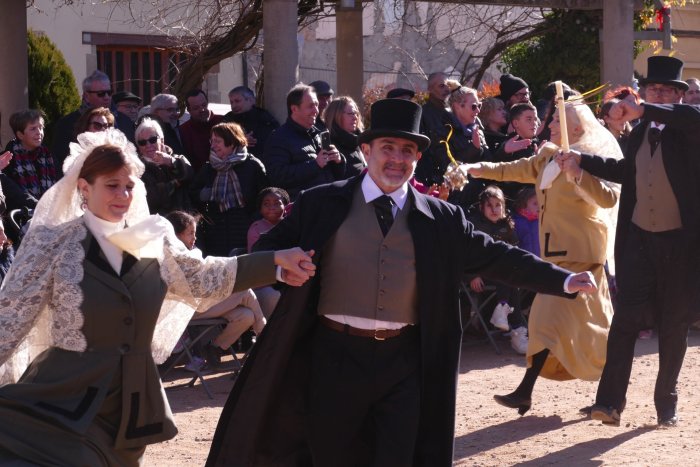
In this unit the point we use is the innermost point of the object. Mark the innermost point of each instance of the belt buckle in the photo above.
(376, 335)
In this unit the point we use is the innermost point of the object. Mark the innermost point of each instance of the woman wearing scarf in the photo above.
(342, 118)
(98, 294)
(32, 166)
(226, 188)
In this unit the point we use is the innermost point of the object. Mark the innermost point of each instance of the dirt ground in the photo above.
(551, 433)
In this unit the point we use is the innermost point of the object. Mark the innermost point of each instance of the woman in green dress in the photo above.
(99, 293)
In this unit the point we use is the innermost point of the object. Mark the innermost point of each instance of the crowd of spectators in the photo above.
(222, 167)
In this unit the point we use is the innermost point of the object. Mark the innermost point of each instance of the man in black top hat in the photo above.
(359, 366)
(400, 93)
(656, 243)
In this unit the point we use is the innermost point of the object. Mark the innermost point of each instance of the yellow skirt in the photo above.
(574, 331)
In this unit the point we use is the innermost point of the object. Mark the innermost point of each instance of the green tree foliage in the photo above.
(570, 52)
(51, 81)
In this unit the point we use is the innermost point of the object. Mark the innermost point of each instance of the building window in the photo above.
(145, 71)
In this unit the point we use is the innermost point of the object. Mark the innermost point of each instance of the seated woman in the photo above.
(240, 309)
(493, 219)
(167, 175)
(98, 294)
(567, 338)
(226, 188)
(342, 118)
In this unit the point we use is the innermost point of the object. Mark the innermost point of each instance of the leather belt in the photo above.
(378, 334)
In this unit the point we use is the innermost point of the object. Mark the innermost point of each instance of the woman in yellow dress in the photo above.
(567, 337)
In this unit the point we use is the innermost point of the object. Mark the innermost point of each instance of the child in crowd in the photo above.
(526, 219)
(272, 205)
(524, 120)
(493, 219)
(241, 309)
(272, 202)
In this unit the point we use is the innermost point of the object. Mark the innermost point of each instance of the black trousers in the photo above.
(652, 279)
(364, 399)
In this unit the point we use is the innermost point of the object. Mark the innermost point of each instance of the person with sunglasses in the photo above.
(94, 120)
(467, 143)
(167, 175)
(97, 92)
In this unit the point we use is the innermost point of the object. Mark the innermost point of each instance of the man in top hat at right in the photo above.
(656, 244)
(360, 366)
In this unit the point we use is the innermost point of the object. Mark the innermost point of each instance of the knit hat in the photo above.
(510, 85)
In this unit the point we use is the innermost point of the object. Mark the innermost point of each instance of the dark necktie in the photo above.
(383, 209)
(654, 137)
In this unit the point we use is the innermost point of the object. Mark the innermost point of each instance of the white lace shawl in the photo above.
(41, 298)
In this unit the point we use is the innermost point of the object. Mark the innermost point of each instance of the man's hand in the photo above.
(252, 140)
(325, 156)
(297, 266)
(582, 282)
(624, 111)
(514, 144)
(477, 284)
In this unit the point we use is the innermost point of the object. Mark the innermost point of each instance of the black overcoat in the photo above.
(262, 422)
(680, 142)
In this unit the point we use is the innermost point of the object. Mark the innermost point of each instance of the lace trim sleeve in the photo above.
(40, 298)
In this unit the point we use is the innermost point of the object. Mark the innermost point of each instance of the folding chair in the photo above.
(478, 301)
(202, 328)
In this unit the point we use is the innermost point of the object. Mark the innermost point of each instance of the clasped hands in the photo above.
(325, 156)
(297, 265)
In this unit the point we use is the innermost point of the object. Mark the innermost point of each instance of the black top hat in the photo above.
(398, 92)
(125, 96)
(322, 88)
(510, 85)
(399, 118)
(665, 70)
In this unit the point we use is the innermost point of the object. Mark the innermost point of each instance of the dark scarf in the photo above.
(33, 170)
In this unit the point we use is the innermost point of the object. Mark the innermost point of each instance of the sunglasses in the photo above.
(476, 107)
(100, 126)
(151, 140)
(101, 93)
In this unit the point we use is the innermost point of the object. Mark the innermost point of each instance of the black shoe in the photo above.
(669, 422)
(212, 354)
(514, 401)
(607, 415)
(586, 410)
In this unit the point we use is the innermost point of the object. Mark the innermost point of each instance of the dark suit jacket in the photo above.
(263, 420)
(680, 140)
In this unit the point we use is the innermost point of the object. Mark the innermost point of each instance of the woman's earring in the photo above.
(83, 202)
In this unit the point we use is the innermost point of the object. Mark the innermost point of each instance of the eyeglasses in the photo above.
(101, 93)
(99, 126)
(128, 106)
(151, 140)
(663, 90)
(522, 93)
(476, 107)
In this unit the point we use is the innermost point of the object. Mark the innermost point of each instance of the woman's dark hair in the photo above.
(103, 160)
(20, 120)
(181, 220)
(83, 123)
(231, 133)
(523, 197)
(282, 194)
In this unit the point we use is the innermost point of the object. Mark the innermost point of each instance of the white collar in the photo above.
(371, 191)
(101, 229)
(660, 126)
